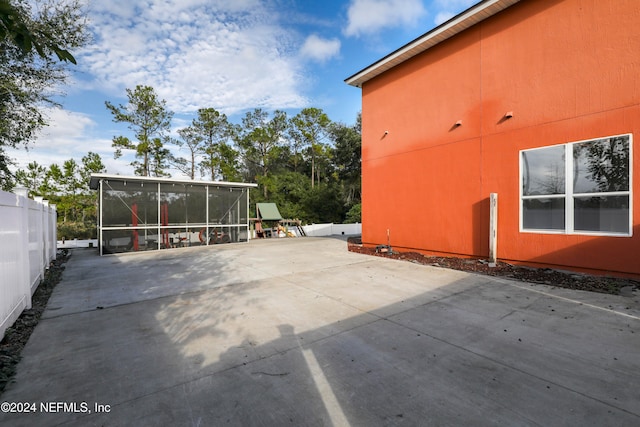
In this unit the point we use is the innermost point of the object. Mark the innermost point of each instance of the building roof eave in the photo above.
(97, 177)
(470, 17)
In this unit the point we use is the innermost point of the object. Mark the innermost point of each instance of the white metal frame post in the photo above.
(158, 244)
(100, 208)
(248, 225)
(206, 220)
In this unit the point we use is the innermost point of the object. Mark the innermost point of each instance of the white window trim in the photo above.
(569, 196)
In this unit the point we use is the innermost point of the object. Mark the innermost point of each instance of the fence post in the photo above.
(24, 274)
(40, 233)
(46, 224)
(53, 231)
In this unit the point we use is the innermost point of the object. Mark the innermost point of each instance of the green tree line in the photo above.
(67, 187)
(35, 39)
(307, 164)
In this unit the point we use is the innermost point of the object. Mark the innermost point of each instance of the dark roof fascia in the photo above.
(97, 177)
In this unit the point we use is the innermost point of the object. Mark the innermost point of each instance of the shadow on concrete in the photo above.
(357, 344)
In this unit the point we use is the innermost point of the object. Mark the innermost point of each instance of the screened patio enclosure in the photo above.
(142, 213)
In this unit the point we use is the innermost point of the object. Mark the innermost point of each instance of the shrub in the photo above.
(77, 230)
(354, 215)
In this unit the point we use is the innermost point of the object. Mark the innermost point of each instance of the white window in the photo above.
(596, 199)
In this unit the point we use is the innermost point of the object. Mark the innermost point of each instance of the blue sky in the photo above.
(233, 56)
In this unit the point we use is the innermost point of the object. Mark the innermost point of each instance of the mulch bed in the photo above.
(16, 337)
(547, 276)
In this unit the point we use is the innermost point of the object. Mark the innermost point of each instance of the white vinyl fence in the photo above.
(27, 246)
(317, 230)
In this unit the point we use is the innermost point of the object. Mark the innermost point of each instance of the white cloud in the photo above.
(196, 53)
(68, 136)
(319, 49)
(369, 16)
(450, 8)
(443, 17)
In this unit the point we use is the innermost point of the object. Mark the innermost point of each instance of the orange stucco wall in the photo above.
(569, 70)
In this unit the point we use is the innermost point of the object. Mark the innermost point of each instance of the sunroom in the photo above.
(146, 213)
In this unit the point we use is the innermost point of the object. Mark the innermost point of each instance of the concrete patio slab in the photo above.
(303, 332)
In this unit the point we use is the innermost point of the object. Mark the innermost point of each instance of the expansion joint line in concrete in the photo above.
(550, 295)
(459, 347)
(510, 367)
(160, 297)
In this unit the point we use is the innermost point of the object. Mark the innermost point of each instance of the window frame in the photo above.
(569, 195)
